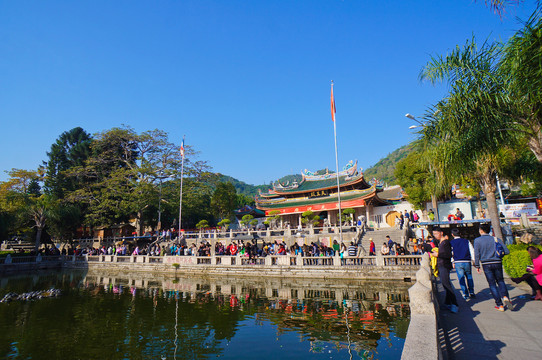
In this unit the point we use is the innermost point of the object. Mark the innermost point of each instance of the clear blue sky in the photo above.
(247, 82)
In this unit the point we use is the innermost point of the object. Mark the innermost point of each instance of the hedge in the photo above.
(517, 261)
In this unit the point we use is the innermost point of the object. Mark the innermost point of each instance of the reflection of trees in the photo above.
(94, 319)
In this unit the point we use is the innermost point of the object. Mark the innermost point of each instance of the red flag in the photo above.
(333, 110)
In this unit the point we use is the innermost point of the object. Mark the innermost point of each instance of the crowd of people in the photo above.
(451, 251)
(250, 249)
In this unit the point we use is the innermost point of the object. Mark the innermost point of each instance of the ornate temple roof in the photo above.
(311, 182)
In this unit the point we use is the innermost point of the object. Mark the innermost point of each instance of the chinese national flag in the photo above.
(333, 110)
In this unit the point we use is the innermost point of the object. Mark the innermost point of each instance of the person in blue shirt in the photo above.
(484, 253)
(463, 254)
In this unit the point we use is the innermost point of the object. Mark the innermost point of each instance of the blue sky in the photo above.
(247, 82)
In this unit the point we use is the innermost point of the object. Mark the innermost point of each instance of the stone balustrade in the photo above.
(422, 337)
(363, 267)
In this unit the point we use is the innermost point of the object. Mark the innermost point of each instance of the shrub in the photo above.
(515, 263)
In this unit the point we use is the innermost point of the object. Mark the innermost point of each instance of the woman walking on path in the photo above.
(444, 265)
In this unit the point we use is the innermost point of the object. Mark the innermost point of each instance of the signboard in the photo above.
(515, 210)
(319, 207)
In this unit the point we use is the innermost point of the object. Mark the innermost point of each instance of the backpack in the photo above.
(499, 249)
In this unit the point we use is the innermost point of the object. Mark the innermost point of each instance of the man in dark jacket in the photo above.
(444, 264)
(484, 253)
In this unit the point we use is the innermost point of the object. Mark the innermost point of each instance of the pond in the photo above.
(103, 315)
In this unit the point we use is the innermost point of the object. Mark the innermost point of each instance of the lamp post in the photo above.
(422, 124)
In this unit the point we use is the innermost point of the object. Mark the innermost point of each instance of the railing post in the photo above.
(379, 259)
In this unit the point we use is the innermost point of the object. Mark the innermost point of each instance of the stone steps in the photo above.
(379, 237)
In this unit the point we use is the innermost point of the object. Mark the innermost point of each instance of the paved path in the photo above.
(479, 331)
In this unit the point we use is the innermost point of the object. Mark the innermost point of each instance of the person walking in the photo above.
(352, 250)
(463, 254)
(484, 254)
(444, 265)
(390, 245)
(372, 248)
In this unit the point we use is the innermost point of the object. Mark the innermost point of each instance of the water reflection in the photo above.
(108, 315)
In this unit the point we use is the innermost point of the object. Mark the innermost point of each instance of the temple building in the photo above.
(319, 194)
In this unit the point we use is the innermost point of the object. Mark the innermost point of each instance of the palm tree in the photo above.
(463, 132)
(522, 60)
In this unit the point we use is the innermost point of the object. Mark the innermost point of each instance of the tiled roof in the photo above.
(311, 185)
(350, 195)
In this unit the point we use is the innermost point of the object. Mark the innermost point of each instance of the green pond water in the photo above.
(143, 316)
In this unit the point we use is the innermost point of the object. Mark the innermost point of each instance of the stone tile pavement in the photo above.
(478, 331)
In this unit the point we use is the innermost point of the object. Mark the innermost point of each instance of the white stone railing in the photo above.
(422, 337)
(271, 260)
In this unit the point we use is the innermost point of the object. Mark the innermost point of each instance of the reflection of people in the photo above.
(533, 276)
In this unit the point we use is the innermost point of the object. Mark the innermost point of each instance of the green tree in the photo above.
(224, 200)
(309, 218)
(414, 176)
(202, 224)
(124, 176)
(348, 214)
(272, 218)
(71, 149)
(224, 223)
(20, 196)
(247, 220)
(522, 64)
(243, 200)
(463, 135)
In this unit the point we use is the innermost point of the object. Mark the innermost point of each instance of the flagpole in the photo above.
(336, 162)
(181, 191)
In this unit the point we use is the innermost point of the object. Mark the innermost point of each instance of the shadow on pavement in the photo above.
(459, 335)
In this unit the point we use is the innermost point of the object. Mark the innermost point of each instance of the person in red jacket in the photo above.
(372, 249)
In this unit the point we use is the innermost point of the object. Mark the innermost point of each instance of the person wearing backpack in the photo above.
(488, 251)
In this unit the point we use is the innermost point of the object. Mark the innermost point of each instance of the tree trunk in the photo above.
(138, 223)
(479, 211)
(535, 142)
(38, 239)
(435, 206)
(489, 187)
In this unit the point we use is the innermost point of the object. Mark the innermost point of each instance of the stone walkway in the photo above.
(479, 331)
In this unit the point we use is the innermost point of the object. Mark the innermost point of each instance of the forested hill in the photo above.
(384, 169)
(243, 187)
